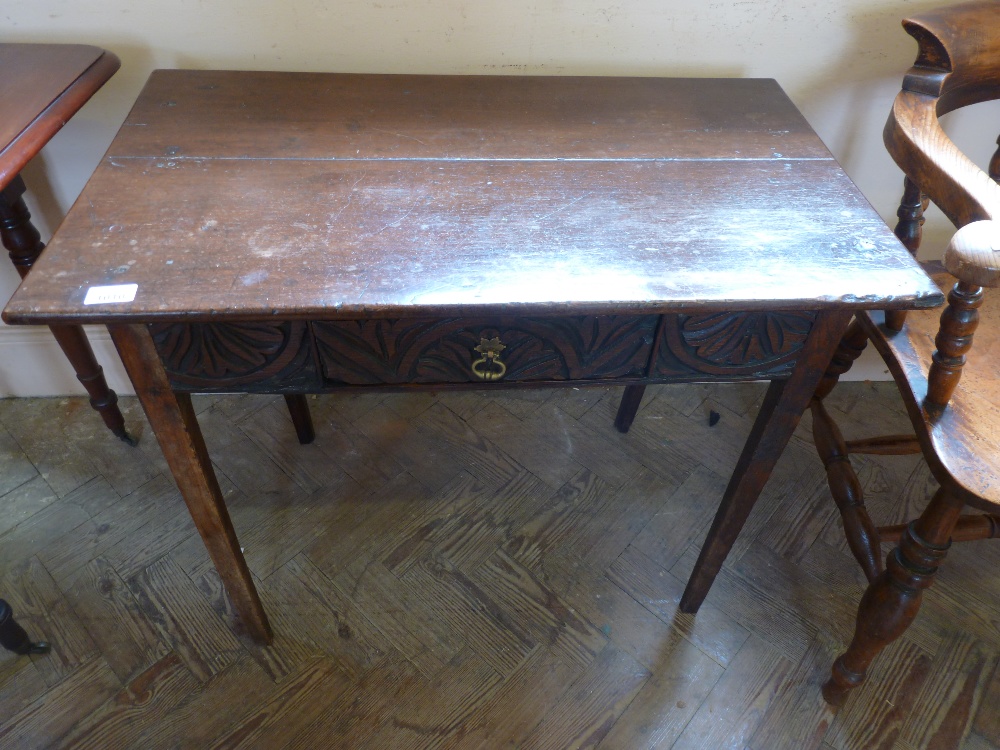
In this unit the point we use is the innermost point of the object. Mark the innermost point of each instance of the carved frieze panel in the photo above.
(246, 356)
(737, 345)
(460, 350)
(301, 356)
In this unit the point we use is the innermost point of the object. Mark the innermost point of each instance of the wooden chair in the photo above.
(957, 425)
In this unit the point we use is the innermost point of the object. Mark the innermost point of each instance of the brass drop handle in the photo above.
(489, 366)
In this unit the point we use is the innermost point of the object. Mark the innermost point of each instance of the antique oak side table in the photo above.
(41, 87)
(307, 233)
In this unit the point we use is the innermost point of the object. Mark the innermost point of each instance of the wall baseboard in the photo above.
(31, 364)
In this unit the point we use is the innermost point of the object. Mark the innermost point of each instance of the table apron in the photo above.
(470, 352)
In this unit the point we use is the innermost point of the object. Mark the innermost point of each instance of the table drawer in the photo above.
(469, 350)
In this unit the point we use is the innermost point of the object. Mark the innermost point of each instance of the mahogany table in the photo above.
(306, 233)
(41, 87)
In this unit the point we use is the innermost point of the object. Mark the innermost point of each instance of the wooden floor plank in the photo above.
(390, 607)
(20, 682)
(712, 630)
(141, 704)
(682, 678)
(43, 610)
(874, 715)
(227, 698)
(349, 449)
(54, 713)
(734, 709)
(591, 705)
(299, 701)
(332, 621)
(360, 714)
(487, 629)
(184, 619)
(15, 470)
(507, 716)
(798, 717)
(540, 609)
(551, 461)
(987, 719)
(25, 498)
(682, 520)
(467, 538)
(126, 638)
(943, 710)
(431, 462)
(39, 533)
(154, 506)
(428, 716)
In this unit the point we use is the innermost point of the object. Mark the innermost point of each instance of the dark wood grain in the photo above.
(401, 239)
(228, 114)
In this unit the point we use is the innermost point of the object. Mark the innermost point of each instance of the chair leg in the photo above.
(24, 244)
(862, 536)
(629, 406)
(12, 636)
(892, 601)
(298, 409)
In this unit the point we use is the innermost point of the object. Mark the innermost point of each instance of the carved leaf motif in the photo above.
(725, 339)
(231, 353)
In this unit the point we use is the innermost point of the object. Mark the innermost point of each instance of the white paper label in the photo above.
(105, 295)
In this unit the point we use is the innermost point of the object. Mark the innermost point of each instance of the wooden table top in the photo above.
(41, 87)
(256, 195)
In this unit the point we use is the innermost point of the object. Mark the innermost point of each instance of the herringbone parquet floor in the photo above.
(469, 570)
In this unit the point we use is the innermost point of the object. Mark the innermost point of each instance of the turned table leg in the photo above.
(780, 412)
(12, 636)
(893, 599)
(24, 244)
(176, 428)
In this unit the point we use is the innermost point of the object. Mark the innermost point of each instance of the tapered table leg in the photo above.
(779, 415)
(629, 407)
(176, 428)
(24, 244)
(298, 409)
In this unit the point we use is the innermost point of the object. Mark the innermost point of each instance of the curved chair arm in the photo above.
(958, 63)
(959, 49)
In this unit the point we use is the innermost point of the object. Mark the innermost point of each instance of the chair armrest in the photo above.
(973, 255)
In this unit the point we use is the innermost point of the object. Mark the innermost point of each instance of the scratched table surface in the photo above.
(298, 195)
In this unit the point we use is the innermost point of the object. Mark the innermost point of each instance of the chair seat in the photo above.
(965, 439)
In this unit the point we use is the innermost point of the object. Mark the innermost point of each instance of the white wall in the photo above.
(841, 63)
